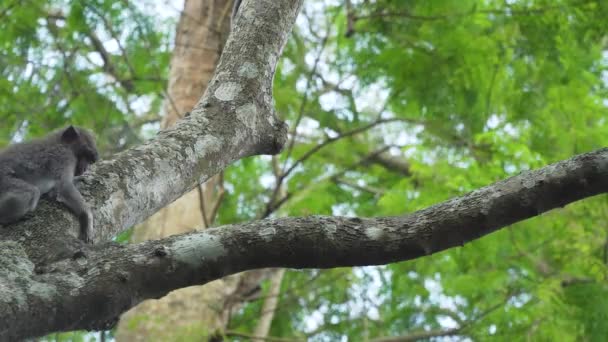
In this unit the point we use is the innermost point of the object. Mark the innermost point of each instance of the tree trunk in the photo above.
(195, 311)
(270, 305)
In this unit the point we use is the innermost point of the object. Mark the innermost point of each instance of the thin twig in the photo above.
(201, 201)
(219, 198)
(506, 11)
(261, 338)
(354, 185)
(315, 149)
(350, 19)
(294, 130)
(329, 141)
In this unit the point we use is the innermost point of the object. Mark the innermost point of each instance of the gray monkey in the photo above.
(44, 166)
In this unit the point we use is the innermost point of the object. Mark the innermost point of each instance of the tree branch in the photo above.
(234, 119)
(507, 11)
(108, 66)
(253, 337)
(392, 163)
(418, 335)
(272, 204)
(90, 292)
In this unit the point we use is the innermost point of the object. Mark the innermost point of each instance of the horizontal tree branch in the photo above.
(417, 336)
(91, 291)
(507, 11)
(252, 337)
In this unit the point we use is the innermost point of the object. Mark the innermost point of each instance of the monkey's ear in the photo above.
(70, 134)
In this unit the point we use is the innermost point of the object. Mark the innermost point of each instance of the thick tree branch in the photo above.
(234, 119)
(91, 292)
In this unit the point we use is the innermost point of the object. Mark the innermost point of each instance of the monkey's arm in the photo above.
(71, 197)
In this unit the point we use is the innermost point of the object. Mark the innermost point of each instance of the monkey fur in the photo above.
(43, 166)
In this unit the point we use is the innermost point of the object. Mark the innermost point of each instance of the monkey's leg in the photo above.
(17, 199)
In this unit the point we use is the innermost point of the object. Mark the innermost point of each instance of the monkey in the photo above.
(48, 166)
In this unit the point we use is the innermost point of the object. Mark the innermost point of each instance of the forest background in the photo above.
(393, 106)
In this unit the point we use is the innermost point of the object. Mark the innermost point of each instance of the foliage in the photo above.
(483, 90)
(83, 62)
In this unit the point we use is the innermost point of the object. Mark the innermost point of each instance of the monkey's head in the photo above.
(82, 144)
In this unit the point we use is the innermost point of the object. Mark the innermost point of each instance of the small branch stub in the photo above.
(160, 251)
